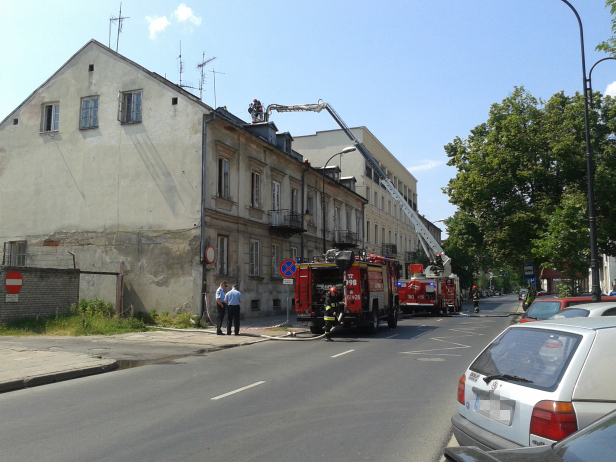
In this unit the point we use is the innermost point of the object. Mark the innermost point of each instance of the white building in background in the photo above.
(387, 230)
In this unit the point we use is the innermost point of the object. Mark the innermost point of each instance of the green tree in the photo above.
(515, 170)
(609, 46)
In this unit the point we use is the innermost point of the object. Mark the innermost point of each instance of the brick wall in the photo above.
(44, 292)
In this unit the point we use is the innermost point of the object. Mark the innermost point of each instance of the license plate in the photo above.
(495, 407)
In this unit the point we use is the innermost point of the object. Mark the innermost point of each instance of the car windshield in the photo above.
(593, 444)
(540, 356)
(543, 309)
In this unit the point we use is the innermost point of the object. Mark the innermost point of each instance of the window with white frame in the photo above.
(222, 257)
(14, 253)
(294, 253)
(368, 231)
(89, 112)
(129, 107)
(255, 190)
(223, 178)
(50, 119)
(276, 216)
(275, 260)
(254, 258)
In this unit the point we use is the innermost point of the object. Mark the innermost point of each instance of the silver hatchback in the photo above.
(537, 383)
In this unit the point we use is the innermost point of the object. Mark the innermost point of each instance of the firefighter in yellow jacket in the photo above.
(331, 305)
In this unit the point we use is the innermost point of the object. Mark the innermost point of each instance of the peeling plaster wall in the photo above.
(116, 193)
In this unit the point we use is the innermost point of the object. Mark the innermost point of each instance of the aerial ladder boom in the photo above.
(428, 242)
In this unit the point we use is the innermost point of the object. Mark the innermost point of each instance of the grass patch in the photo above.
(92, 317)
(179, 321)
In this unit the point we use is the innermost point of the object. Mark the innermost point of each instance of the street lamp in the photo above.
(344, 151)
(592, 220)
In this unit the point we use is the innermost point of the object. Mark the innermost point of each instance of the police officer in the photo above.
(476, 299)
(221, 306)
(331, 304)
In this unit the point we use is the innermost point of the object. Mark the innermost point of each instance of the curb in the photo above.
(35, 381)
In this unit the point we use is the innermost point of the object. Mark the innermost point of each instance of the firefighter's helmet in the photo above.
(333, 291)
(474, 287)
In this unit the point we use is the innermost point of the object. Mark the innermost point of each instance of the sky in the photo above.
(416, 73)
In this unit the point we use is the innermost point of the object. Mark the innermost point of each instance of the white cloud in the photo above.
(157, 25)
(611, 89)
(185, 13)
(424, 165)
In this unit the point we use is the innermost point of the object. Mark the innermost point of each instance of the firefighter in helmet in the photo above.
(475, 296)
(331, 305)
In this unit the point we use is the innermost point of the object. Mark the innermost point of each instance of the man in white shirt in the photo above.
(220, 305)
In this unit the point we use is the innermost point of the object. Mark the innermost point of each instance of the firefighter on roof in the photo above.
(331, 304)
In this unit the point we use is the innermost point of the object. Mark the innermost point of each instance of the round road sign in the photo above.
(210, 254)
(287, 268)
(13, 282)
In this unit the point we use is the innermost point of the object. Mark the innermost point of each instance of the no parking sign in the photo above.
(287, 268)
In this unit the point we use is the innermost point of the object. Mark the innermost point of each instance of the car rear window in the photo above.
(543, 309)
(572, 313)
(538, 355)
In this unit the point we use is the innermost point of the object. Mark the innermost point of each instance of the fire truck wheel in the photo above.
(392, 320)
(373, 327)
(317, 330)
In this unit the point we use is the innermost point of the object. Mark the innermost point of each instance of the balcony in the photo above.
(285, 223)
(390, 250)
(344, 239)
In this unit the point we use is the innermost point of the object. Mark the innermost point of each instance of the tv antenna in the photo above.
(213, 71)
(120, 18)
(201, 66)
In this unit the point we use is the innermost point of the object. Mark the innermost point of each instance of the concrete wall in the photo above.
(44, 292)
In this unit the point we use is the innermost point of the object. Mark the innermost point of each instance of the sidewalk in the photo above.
(39, 360)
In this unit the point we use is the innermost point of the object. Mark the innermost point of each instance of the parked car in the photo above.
(595, 443)
(543, 308)
(537, 383)
(587, 310)
(522, 294)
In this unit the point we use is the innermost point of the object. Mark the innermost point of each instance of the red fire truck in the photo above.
(436, 294)
(367, 282)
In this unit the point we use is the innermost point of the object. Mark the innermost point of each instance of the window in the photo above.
(310, 207)
(51, 118)
(129, 107)
(336, 218)
(382, 203)
(294, 253)
(368, 194)
(15, 121)
(254, 258)
(255, 190)
(358, 227)
(276, 218)
(375, 202)
(294, 200)
(222, 258)
(223, 178)
(376, 234)
(174, 101)
(348, 221)
(368, 232)
(15, 253)
(275, 260)
(89, 112)
(389, 207)
(255, 305)
(91, 68)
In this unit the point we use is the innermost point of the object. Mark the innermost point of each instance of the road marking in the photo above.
(238, 390)
(431, 359)
(340, 354)
(392, 336)
(438, 320)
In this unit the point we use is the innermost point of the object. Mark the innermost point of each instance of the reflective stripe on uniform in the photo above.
(326, 318)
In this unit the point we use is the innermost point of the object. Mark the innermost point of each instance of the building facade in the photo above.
(110, 168)
(386, 229)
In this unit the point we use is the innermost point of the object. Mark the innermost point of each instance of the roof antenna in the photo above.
(213, 71)
(120, 18)
(202, 80)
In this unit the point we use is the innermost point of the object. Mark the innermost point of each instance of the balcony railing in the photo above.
(285, 222)
(344, 239)
(409, 257)
(390, 250)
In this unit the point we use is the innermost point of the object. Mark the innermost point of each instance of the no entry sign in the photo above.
(13, 282)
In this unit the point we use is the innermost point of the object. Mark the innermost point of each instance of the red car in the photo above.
(543, 308)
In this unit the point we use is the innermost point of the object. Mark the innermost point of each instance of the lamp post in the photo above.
(592, 220)
(344, 151)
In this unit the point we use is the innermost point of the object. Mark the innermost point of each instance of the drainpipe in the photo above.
(203, 179)
(301, 252)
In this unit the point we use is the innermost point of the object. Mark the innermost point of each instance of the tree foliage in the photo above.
(522, 168)
(609, 46)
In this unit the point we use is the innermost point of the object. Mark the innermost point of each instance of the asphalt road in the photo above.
(384, 397)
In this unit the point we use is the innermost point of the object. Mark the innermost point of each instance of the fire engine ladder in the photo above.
(428, 242)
